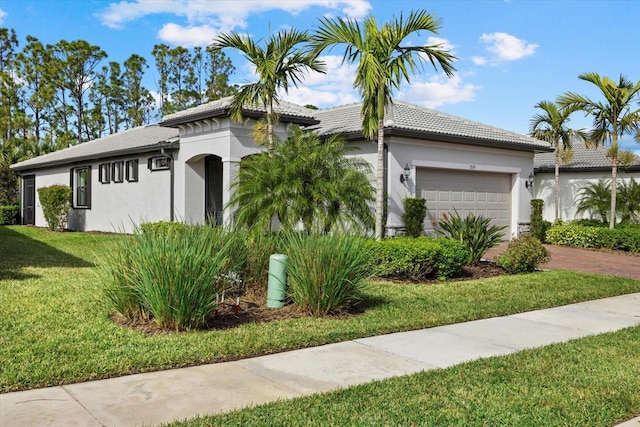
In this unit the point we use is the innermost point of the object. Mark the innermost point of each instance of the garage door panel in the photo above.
(479, 193)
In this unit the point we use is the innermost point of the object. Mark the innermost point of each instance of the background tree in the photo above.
(552, 126)
(612, 118)
(304, 180)
(79, 60)
(383, 64)
(219, 68)
(38, 91)
(137, 99)
(280, 63)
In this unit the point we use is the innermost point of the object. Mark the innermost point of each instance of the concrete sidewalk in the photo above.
(165, 396)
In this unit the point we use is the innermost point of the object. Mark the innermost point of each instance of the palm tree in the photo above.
(629, 193)
(595, 198)
(551, 126)
(612, 119)
(279, 64)
(383, 64)
(304, 180)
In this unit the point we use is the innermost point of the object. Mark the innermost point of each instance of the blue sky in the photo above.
(512, 54)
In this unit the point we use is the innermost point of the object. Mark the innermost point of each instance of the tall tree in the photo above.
(161, 55)
(612, 118)
(33, 68)
(282, 62)
(552, 126)
(383, 64)
(79, 60)
(138, 100)
(219, 68)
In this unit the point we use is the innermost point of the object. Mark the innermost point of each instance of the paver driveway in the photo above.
(566, 258)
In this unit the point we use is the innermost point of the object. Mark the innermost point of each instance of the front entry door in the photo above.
(29, 200)
(213, 190)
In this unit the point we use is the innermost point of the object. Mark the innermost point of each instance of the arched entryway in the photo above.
(213, 188)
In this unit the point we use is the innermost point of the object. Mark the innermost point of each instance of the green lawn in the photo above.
(55, 329)
(593, 381)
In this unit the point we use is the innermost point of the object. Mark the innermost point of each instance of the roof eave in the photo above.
(564, 169)
(144, 149)
(456, 139)
(224, 112)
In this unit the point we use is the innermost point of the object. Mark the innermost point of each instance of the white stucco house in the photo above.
(182, 168)
(587, 166)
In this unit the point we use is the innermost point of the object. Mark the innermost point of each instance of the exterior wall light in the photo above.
(529, 182)
(404, 176)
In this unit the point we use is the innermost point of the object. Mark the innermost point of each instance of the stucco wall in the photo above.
(570, 184)
(114, 206)
(417, 153)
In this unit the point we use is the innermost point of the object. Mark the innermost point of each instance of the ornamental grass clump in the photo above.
(474, 231)
(326, 272)
(171, 276)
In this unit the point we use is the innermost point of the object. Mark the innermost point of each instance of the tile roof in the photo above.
(583, 158)
(221, 106)
(136, 139)
(403, 116)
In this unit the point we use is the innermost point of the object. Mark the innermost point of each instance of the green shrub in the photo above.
(536, 227)
(474, 231)
(523, 255)
(171, 276)
(326, 272)
(623, 237)
(162, 226)
(419, 259)
(56, 202)
(9, 214)
(415, 211)
(452, 258)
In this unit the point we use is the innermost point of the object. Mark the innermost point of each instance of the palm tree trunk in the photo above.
(614, 185)
(557, 186)
(269, 125)
(380, 181)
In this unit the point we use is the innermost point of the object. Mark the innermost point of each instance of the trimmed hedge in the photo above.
(415, 211)
(56, 202)
(624, 238)
(9, 214)
(418, 259)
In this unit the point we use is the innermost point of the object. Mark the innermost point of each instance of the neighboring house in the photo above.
(587, 166)
(186, 164)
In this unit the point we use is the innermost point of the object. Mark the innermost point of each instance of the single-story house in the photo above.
(182, 168)
(587, 166)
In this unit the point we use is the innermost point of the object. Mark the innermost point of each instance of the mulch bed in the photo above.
(253, 308)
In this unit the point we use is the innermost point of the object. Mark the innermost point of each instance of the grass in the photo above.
(592, 381)
(55, 327)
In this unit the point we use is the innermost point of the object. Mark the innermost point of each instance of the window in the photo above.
(104, 173)
(159, 163)
(117, 171)
(81, 186)
(132, 170)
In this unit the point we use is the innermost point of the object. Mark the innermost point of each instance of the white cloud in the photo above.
(439, 90)
(444, 43)
(479, 60)
(3, 14)
(187, 36)
(217, 16)
(505, 47)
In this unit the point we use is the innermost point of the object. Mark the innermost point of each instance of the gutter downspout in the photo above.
(171, 184)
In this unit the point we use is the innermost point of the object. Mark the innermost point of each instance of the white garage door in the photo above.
(480, 193)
